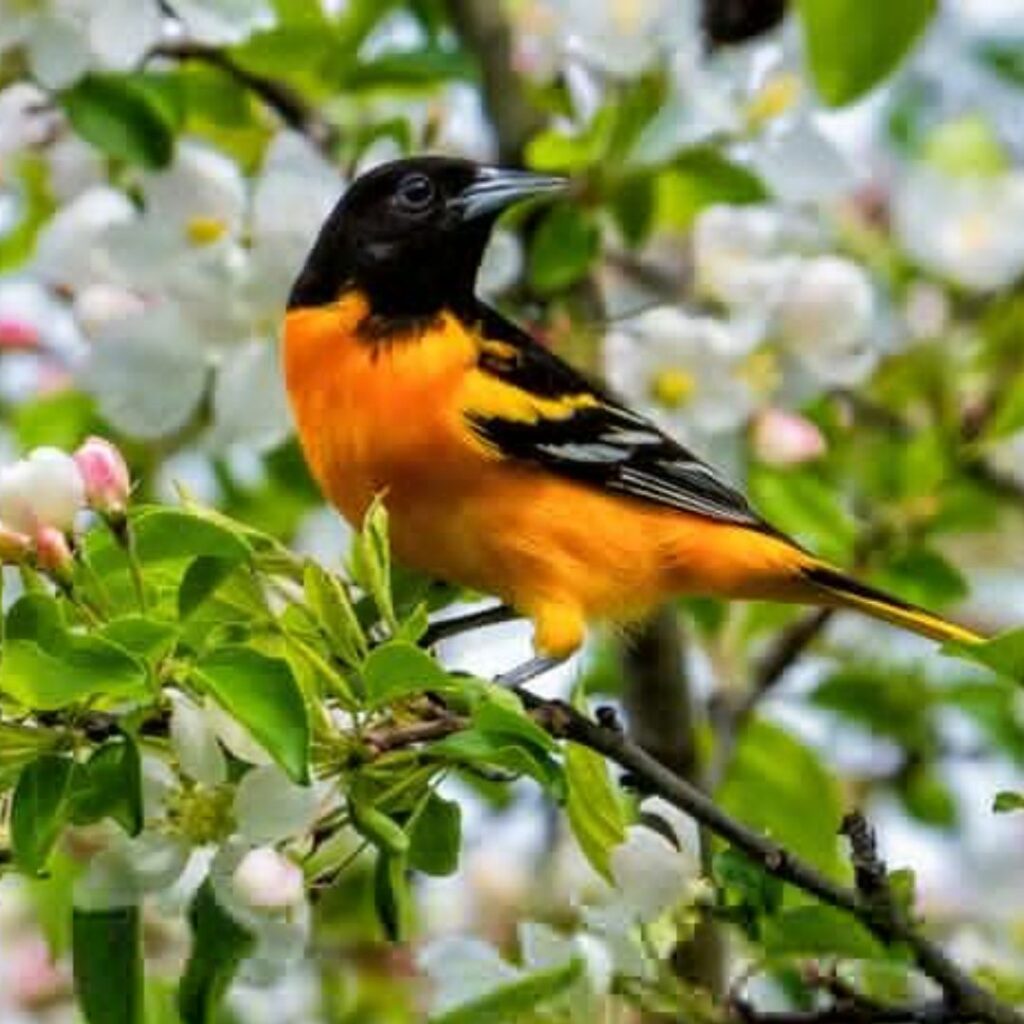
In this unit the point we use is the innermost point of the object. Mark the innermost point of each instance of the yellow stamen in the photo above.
(673, 388)
(778, 94)
(761, 372)
(205, 230)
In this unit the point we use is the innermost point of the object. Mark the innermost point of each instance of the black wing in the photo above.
(605, 444)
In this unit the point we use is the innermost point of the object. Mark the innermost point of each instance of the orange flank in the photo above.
(388, 418)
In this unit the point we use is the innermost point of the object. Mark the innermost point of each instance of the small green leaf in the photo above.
(1008, 801)
(39, 810)
(151, 640)
(110, 785)
(262, 694)
(71, 669)
(436, 836)
(502, 715)
(594, 810)
(820, 931)
(922, 576)
(37, 617)
(928, 798)
(563, 248)
(398, 669)
(853, 44)
(219, 945)
(746, 892)
(107, 956)
(1003, 654)
(391, 894)
(518, 999)
(169, 533)
(329, 601)
(120, 117)
(201, 580)
(371, 561)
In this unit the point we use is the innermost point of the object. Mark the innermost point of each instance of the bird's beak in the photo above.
(494, 189)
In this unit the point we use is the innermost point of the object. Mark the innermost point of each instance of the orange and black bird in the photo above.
(502, 468)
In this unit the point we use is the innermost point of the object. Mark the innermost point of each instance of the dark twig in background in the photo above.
(293, 110)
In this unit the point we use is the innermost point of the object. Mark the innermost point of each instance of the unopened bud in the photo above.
(783, 438)
(14, 546)
(267, 880)
(105, 475)
(53, 553)
(43, 489)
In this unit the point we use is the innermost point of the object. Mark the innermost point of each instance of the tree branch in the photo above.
(284, 101)
(482, 27)
(883, 918)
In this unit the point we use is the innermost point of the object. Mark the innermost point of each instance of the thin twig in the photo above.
(284, 101)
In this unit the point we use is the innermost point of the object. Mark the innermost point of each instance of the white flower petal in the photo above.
(463, 969)
(235, 736)
(45, 489)
(121, 32)
(148, 374)
(70, 250)
(224, 22)
(270, 807)
(250, 404)
(651, 876)
(58, 53)
(195, 743)
(122, 873)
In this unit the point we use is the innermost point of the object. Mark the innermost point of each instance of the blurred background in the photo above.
(799, 247)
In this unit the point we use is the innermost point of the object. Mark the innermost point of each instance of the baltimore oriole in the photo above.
(502, 468)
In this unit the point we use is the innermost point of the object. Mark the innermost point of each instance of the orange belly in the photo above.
(385, 419)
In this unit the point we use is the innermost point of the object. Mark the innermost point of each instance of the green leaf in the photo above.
(201, 580)
(922, 576)
(107, 957)
(927, 798)
(593, 806)
(700, 178)
(1005, 57)
(219, 945)
(262, 694)
(853, 44)
(562, 249)
(1003, 654)
(517, 999)
(169, 533)
(17, 243)
(121, 118)
(820, 931)
(781, 787)
(501, 714)
(149, 639)
(966, 147)
(371, 561)
(329, 601)
(398, 669)
(1008, 801)
(60, 419)
(391, 895)
(410, 69)
(746, 892)
(38, 617)
(73, 668)
(477, 749)
(435, 837)
(39, 810)
(110, 785)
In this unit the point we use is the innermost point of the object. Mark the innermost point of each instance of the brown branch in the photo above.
(482, 27)
(293, 110)
(383, 740)
(883, 918)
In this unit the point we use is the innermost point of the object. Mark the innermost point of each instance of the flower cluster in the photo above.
(782, 321)
(42, 494)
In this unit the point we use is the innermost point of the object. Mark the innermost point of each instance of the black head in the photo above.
(411, 234)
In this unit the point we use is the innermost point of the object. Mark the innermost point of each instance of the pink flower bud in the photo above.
(783, 438)
(33, 980)
(267, 880)
(53, 553)
(17, 334)
(105, 474)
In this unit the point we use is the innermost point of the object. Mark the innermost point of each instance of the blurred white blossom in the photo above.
(968, 229)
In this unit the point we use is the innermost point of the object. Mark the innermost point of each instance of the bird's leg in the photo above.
(536, 666)
(446, 628)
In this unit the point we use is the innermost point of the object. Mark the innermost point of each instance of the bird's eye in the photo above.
(415, 192)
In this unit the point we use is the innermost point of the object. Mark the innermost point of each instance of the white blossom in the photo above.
(43, 489)
(967, 229)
